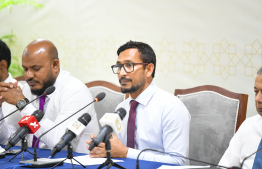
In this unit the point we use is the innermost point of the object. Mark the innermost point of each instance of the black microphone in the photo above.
(175, 155)
(34, 162)
(109, 123)
(28, 124)
(75, 128)
(47, 91)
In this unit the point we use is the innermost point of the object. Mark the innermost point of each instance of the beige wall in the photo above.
(197, 42)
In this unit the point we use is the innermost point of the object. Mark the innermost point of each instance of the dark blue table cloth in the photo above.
(44, 153)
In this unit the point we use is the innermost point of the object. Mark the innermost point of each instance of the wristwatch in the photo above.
(21, 103)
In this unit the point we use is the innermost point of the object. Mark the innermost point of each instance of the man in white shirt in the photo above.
(42, 70)
(9, 124)
(160, 120)
(247, 139)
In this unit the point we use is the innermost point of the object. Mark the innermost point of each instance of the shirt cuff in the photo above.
(132, 153)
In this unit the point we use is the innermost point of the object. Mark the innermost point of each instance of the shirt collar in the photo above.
(147, 94)
(9, 78)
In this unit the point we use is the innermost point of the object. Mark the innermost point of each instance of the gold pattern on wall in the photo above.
(252, 58)
(194, 58)
(166, 56)
(108, 52)
(224, 59)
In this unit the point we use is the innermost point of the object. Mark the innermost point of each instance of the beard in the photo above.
(49, 82)
(133, 88)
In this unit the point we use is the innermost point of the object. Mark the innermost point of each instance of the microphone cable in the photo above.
(216, 165)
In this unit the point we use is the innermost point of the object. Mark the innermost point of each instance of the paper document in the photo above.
(1, 149)
(87, 160)
(182, 167)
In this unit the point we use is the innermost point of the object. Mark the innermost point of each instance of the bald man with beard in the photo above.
(41, 70)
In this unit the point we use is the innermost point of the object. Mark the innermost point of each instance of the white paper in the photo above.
(1, 149)
(87, 160)
(182, 167)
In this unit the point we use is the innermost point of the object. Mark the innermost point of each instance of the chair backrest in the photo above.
(113, 97)
(216, 114)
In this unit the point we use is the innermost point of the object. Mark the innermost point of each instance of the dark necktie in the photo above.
(41, 107)
(258, 159)
(131, 126)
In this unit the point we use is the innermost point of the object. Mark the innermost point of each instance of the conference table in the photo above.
(44, 153)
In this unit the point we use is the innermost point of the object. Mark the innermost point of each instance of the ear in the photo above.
(3, 65)
(149, 69)
(55, 65)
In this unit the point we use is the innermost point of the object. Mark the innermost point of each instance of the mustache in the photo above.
(31, 80)
(124, 78)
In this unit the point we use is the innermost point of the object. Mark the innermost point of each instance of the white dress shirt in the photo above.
(244, 143)
(9, 125)
(69, 96)
(162, 123)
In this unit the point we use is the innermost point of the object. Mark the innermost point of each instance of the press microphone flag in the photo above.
(110, 122)
(28, 124)
(47, 91)
(40, 164)
(75, 128)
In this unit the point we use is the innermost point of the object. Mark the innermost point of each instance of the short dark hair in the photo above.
(5, 53)
(259, 71)
(147, 54)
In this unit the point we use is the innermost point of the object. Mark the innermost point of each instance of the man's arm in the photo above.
(66, 104)
(9, 125)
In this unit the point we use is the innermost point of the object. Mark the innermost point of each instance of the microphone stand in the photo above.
(69, 156)
(24, 147)
(49, 164)
(109, 163)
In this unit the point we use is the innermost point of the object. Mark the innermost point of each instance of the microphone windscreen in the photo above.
(121, 112)
(85, 119)
(100, 96)
(49, 90)
(38, 114)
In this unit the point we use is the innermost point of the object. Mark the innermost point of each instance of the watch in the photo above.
(21, 103)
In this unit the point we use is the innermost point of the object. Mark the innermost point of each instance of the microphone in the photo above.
(47, 91)
(28, 124)
(137, 160)
(44, 163)
(110, 122)
(75, 128)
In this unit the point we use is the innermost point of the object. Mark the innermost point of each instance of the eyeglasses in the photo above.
(128, 67)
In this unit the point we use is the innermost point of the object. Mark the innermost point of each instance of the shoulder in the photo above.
(257, 119)
(67, 82)
(167, 99)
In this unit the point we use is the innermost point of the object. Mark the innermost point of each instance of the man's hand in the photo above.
(10, 93)
(118, 150)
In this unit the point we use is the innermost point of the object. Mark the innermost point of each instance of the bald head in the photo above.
(42, 47)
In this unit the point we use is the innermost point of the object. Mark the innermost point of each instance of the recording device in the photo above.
(47, 91)
(49, 162)
(110, 122)
(75, 128)
(28, 124)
